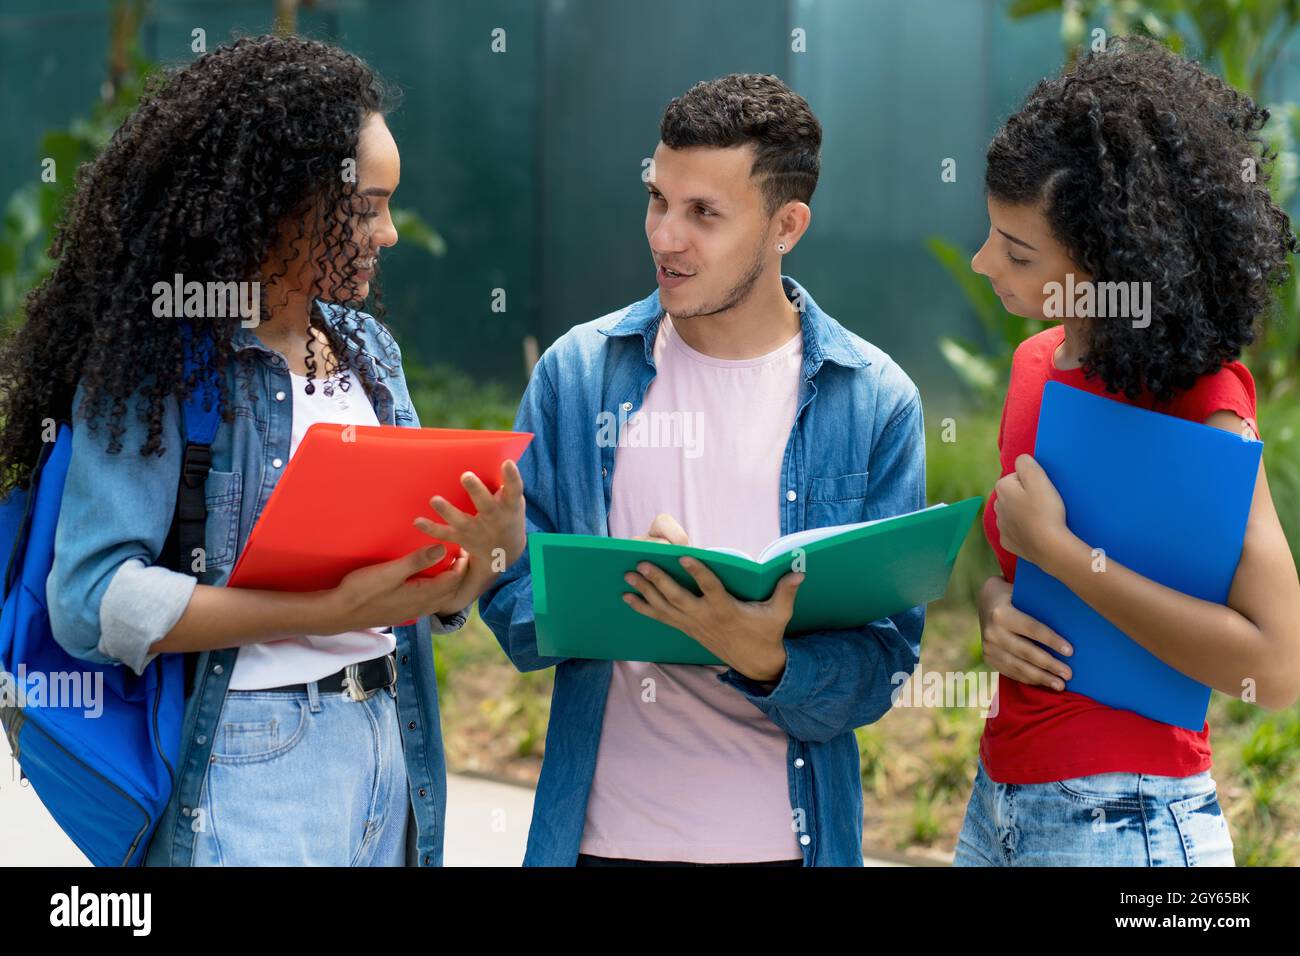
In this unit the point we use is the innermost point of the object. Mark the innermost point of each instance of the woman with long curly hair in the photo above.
(311, 731)
(1135, 166)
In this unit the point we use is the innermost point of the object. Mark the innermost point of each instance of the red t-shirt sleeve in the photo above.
(1231, 388)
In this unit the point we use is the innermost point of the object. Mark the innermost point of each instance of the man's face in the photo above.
(707, 223)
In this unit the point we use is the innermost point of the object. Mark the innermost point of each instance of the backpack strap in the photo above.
(201, 415)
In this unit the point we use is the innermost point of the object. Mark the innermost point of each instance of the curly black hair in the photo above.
(1150, 168)
(221, 161)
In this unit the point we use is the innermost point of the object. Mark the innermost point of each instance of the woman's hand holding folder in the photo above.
(377, 595)
(494, 536)
(374, 596)
(1011, 640)
(491, 540)
(387, 593)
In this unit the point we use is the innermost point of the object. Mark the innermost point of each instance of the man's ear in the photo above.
(792, 221)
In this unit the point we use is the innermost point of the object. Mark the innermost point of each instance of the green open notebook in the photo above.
(855, 574)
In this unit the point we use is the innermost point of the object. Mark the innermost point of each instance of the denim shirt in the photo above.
(109, 602)
(856, 452)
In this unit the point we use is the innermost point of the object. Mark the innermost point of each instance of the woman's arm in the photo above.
(373, 596)
(1252, 642)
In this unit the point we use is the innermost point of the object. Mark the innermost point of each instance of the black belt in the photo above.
(359, 680)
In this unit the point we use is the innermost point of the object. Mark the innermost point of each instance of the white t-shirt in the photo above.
(309, 657)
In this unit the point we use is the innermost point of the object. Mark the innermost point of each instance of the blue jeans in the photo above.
(304, 778)
(1104, 819)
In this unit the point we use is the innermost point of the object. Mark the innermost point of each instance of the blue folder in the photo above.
(1163, 496)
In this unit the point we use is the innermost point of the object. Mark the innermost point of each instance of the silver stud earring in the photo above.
(780, 247)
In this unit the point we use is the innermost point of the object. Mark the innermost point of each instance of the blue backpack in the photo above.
(106, 778)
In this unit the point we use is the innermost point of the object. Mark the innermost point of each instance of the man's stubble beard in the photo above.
(739, 292)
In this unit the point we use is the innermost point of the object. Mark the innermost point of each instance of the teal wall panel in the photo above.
(528, 162)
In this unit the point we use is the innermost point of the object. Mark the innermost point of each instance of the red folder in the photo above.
(350, 493)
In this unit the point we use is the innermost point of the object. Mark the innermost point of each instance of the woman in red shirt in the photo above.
(1136, 166)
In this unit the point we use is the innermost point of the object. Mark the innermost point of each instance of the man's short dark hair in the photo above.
(752, 108)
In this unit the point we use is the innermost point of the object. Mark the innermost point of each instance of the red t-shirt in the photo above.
(1038, 734)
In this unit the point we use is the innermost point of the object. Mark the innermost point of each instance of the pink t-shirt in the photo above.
(687, 768)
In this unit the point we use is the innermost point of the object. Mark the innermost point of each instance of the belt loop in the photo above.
(313, 697)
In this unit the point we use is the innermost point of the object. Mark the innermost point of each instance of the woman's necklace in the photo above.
(343, 379)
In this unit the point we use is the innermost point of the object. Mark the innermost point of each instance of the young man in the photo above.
(783, 420)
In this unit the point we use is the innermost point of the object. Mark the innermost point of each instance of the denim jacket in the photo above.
(109, 601)
(856, 452)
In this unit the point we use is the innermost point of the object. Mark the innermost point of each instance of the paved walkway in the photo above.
(487, 823)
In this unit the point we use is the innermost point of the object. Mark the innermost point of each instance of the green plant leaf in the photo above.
(410, 225)
(973, 369)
